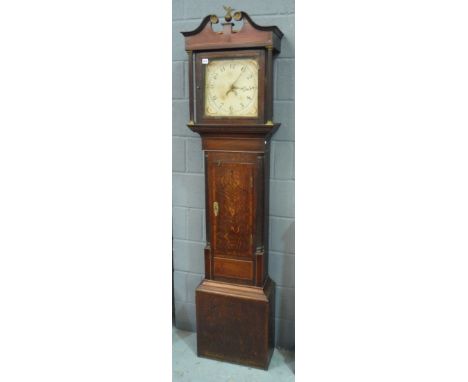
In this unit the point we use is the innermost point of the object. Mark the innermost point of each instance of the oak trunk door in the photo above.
(232, 203)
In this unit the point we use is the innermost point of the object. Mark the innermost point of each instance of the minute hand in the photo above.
(237, 79)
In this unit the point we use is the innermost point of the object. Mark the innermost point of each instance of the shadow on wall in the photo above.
(173, 305)
(285, 301)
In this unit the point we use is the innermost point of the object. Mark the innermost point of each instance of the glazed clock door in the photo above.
(230, 87)
(232, 204)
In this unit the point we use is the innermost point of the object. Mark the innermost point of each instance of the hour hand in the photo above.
(232, 89)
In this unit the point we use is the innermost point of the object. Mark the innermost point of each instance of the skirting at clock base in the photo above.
(235, 323)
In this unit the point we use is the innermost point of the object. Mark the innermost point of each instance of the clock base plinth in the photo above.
(235, 323)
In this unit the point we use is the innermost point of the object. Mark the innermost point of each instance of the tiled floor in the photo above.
(186, 366)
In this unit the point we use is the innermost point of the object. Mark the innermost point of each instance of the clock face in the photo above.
(231, 88)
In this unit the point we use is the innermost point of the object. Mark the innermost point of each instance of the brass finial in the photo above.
(237, 15)
(214, 19)
(228, 10)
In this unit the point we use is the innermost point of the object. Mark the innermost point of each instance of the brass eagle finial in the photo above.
(228, 16)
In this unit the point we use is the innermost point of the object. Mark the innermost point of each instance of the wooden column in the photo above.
(190, 79)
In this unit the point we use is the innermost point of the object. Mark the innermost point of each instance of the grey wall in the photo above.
(187, 165)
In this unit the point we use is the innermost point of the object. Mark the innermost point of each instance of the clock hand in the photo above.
(232, 90)
(232, 87)
(237, 87)
(237, 79)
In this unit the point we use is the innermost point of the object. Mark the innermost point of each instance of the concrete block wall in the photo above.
(188, 188)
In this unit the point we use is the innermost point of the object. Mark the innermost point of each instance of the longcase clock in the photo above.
(231, 107)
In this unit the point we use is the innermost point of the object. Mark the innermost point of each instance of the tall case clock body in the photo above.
(231, 107)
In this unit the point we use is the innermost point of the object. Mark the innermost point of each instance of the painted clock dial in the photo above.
(231, 88)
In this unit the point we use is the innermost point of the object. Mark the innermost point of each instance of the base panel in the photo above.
(235, 323)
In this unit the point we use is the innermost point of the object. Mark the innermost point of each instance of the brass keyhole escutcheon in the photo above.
(216, 208)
